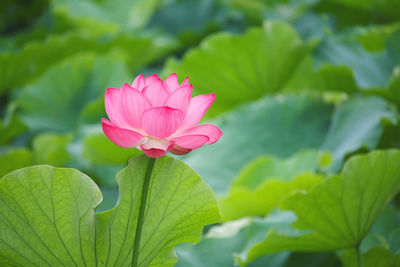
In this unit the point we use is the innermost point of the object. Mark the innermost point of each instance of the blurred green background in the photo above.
(292, 77)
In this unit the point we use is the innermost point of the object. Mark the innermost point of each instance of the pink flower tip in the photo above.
(158, 116)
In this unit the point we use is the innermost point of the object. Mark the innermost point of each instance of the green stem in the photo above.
(139, 226)
(360, 259)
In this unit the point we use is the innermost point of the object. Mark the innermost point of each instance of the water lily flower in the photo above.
(158, 116)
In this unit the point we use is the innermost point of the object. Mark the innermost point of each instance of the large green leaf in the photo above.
(48, 216)
(180, 203)
(265, 181)
(338, 213)
(279, 125)
(242, 68)
(53, 105)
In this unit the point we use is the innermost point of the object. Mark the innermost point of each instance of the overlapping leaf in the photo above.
(354, 200)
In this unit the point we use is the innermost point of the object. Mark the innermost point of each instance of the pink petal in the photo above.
(171, 82)
(151, 78)
(121, 137)
(139, 83)
(191, 141)
(212, 131)
(177, 150)
(197, 108)
(161, 122)
(156, 147)
(185, 82)
(180, 99)
(154, 153)
(155, 91)
(133, 105)
(114, 110)
(127, 86)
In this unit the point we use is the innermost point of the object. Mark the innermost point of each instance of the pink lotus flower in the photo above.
(158, 116)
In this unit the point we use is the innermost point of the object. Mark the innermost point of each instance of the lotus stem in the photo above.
(139, 226)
